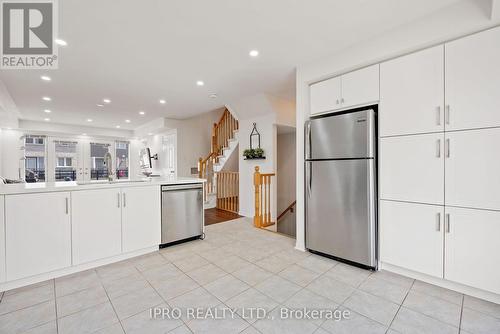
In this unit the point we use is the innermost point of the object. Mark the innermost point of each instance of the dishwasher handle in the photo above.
(182, 187)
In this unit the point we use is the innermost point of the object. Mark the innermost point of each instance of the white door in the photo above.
(360, 87)
(473, 81)
(472, 251)
(473, 169)
(411, 236)
(38, 233)
(2, 238)
(412, 168)
(141, 228)
(325, 95)
(96, 224)
(412, 93)
(169, 155)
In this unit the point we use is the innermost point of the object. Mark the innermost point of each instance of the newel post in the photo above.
(257, 220)
(200, 168)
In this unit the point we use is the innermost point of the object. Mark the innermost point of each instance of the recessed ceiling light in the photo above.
(118, 126)
(163, 101)
(46, 119)
(60, 42)
(46, 98)
(127, 121)
(150, 134)
(89, 119)
(142, 113)
(48, 111)
(213, 96)
(100, 105)
(106, 100)
(84, 134)
(200, 83)
(253, 53)
(45, 78)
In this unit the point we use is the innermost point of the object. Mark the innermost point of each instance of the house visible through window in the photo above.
(65, 160)
(122, 159)
(98, 169)
(34, 158)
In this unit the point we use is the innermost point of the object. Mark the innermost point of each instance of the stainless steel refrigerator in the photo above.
(341, 181)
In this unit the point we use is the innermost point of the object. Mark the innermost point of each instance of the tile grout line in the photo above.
(400, 305)
(112, 306)
(461, 315)
(55, 305)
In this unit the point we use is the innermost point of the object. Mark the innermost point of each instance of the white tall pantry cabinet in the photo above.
(439, 161)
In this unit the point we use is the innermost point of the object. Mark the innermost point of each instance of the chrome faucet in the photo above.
(109, 165)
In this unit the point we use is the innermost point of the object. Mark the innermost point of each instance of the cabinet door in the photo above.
(325, 95)
(473, 81)
(360, 87)
(412, 93)
(472, 250)
(472, 169)
(2, 240)
(404, 230)
(96, 224)
(38, 233)
(412, 169)
(141, 217)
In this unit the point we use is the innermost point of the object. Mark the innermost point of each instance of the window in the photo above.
(98, 170)
(34, 158)
(65, 155)
(122, 159)
(63, 162)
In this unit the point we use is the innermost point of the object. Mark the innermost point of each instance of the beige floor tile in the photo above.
(355, 323)
(252, 274)
(248, 301)
(81, 300)
(25, 298)
(318, 264)
(143, 323)
(331, 288)
(411, 322)
(89, 320)
(278, 288)
(433, 307)
(174, 287)
(76, 282)
(483, 306)
(27, 318)
(436, 291)
(299, 275)
(226, 287)
(349, 274)
(190, 263)
(135, 302)
(373, 307)
(479, 323)
(385, 289)
(206, 274)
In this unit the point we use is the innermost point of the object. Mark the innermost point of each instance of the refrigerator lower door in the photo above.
(340, 209)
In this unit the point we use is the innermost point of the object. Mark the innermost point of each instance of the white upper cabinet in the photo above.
(96, 224)
(404, 228)
(473, 81)
(360, 87)
(325, 95)
(412, 93)
(411, 168)
(349, 90)
(472, 249)
(141, 227)
(2, 240)
(472, 169)
(38, 233)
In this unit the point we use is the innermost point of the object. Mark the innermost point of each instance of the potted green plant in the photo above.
(249, 153)
(258, 153)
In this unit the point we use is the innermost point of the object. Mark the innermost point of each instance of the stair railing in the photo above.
(228, 191)
(262, 184)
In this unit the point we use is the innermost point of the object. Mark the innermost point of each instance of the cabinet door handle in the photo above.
(438, 115)
(338, 102)
(67, 205)
(342, 100)
(438, 222)
(438, 148)
(447, 115)
(118, 203)
(447, 222)
(124, 200)
(448, 147)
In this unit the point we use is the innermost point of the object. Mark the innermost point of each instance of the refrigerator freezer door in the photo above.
(342, 136)
(340, 209)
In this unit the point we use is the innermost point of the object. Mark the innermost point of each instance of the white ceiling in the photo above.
(136, 52)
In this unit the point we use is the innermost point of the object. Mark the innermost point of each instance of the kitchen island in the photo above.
(50, 230)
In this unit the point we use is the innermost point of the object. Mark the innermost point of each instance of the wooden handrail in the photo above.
(222, 133)
(289, 208)
(262, 184)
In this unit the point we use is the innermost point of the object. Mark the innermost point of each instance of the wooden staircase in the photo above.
(224, 185)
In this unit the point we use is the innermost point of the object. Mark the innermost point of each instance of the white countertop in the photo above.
(43, 187)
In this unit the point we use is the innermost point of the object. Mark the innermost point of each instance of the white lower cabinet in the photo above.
(96, 224)
(472, 169)
(2, 240)
(411, 168)
(411, 236)
(472, 252)
(38, 233)
(141, 218)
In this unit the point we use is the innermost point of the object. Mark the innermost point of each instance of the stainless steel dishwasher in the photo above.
(182, 215)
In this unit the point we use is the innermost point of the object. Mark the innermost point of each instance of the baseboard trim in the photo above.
(465, 289)
(19, 283)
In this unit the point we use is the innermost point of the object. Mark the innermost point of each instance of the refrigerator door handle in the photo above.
(309, 177)
(308, 139)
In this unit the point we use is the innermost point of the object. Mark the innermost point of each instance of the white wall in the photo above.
(11, 153)
(452, 22)
(267, 129)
